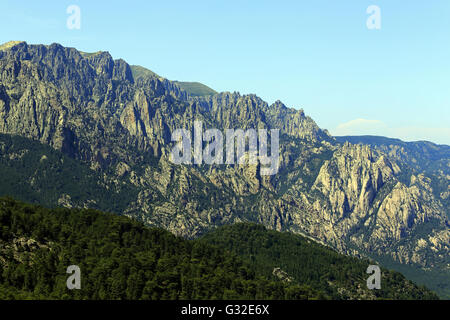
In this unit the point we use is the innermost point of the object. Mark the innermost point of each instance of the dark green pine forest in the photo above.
(120, 258)
(82, 130)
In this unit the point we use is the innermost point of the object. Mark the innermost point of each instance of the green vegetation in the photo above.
(141, 72)
(36, 173)
(436, 280)
(121, 258)
(311, 264)
(194, 89)
(93, 111)
(89, 54)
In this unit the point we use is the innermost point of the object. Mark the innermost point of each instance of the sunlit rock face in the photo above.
(359, 199)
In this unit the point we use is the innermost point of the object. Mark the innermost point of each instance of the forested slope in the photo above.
(121, 258)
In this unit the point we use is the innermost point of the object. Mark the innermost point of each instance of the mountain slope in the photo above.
(196, 89)
(141, 72)
(36, 173)
(309, 263)
(118, 258)
(421, 155)
(122, 259)
(357, 199)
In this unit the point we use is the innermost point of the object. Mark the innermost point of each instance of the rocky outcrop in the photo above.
(357, 199)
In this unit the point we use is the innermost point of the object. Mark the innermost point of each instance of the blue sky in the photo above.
(317, 55)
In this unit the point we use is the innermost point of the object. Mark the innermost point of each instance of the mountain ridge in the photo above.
(358, 199)
(120, 258)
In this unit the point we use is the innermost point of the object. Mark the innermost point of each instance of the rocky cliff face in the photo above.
(358, 199)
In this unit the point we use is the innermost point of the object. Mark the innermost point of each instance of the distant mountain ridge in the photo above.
(359, 199)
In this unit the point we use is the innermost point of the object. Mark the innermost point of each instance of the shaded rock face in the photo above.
(352, 197)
